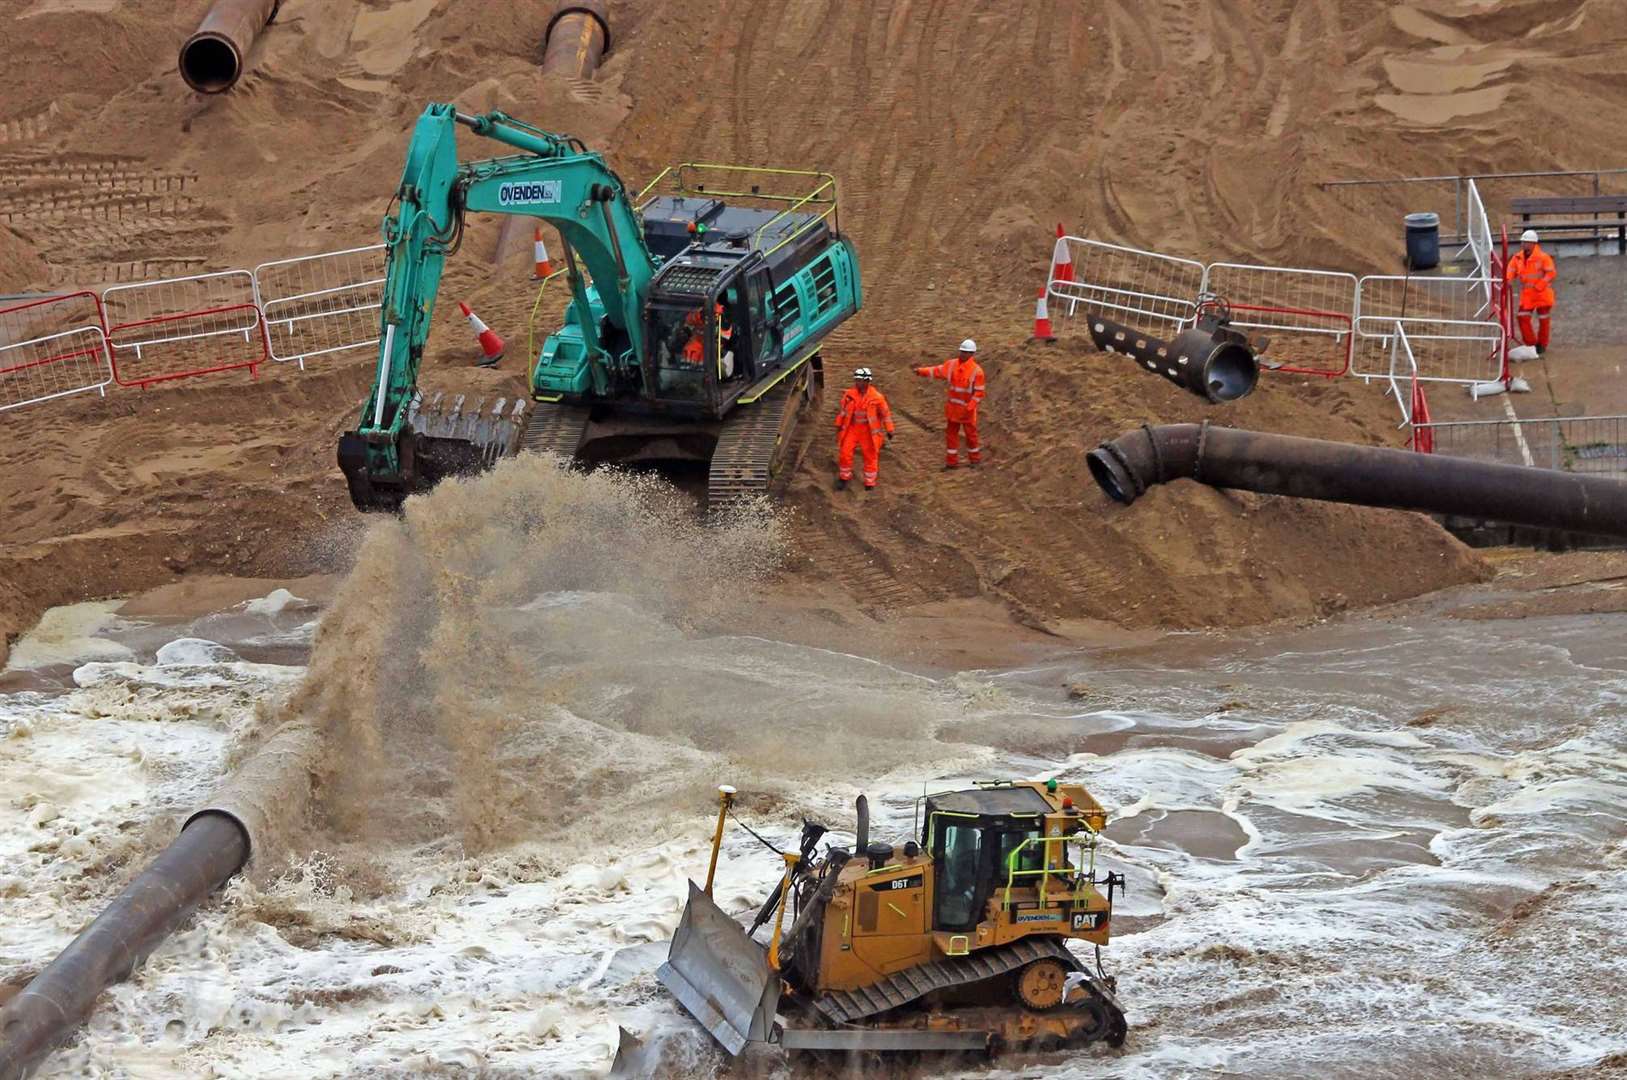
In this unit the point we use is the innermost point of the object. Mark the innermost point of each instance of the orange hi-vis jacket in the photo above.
(1536, 276)
(864, 414)
(965, 387)
(695, 347)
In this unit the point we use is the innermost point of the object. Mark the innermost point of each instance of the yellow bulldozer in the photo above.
(955, 941)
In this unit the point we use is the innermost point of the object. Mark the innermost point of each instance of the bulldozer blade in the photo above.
(633, 1057)
(720, 975)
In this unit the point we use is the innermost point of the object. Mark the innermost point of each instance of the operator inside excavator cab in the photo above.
(679, 337)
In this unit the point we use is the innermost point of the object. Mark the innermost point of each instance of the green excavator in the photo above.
(692, 332)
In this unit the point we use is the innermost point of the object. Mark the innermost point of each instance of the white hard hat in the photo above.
(968, 345)
(862, 373)
(1529, 236)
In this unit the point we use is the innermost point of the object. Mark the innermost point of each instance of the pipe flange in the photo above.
(1157, 457)
(1124, 463)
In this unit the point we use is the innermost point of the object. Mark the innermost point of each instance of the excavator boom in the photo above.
(397, 448)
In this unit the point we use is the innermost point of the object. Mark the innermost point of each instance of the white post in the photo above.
(384, 373)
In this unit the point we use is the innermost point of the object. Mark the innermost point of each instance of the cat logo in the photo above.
(1086, 920)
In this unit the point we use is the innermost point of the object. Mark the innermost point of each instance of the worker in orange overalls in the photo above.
(863, 422)
(965, 378)
(1534, 269)
(694, 352)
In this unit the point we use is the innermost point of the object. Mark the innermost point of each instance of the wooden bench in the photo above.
(1534, 212)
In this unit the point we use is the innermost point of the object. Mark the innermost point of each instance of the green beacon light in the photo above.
(1050, 785)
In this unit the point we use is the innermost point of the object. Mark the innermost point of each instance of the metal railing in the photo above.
(531, 323)
(1072, 876)
(156, 327)
(1149, 291)
(1435, 189)
(823, 194)
(1478, 236)
(1453, 334)
(316, 305)
(52, 347)
(1580, 444)
(1306, 315)
(1403, 374)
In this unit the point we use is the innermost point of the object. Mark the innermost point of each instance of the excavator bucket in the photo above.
(456, 436)
(720, 975)
(448, 435)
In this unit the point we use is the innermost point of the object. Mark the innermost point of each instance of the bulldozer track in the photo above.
(554, 429)
(752, 444)
(895, 991)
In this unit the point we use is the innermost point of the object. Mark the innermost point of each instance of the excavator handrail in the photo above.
(817, 196)
(685, 189)
(1086, 840)
(531, 325)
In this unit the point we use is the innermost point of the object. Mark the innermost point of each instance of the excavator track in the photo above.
(752, 444)
(554, 429)
(904, 987)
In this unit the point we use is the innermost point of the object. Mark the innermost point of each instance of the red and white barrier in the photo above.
(1306, 316)
(52, 347)
(179, 328)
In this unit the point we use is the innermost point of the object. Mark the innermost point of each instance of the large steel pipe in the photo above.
(273, 786)
(1366, 475)
(1210, 359)
(577, 37)
(212, 58)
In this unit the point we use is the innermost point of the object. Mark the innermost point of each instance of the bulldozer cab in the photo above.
(980, 841)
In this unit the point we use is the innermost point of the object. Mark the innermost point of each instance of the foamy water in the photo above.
(1375, 847)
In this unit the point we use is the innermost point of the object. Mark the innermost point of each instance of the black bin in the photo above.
(1423, 241)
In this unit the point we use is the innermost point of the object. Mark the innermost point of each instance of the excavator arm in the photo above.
(554, 178)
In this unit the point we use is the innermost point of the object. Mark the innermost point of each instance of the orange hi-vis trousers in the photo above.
(974, 449)
(1537, 335)
(858, 438)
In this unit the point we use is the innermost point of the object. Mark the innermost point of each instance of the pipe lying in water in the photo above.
(1210, 359)
(1365, 475)
(212, 58)
(215, 843)
(577, 37)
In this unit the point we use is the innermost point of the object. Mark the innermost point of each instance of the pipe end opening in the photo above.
(1230, 373)
(1108, 475)
(210, 64)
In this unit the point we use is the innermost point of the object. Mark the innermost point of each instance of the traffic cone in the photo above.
(540, 251)
(491, 346)
(1061, 258)
(1042, 320)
